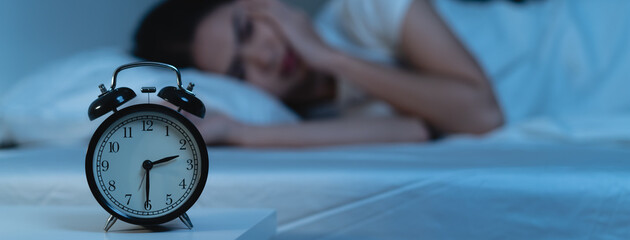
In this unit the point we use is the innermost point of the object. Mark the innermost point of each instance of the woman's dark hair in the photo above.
(167, 31)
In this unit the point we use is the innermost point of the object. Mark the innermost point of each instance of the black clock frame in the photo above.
(146, 108)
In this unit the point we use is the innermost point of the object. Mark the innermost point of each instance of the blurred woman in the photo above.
(434, 85)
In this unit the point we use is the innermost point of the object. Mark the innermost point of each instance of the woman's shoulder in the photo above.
(372, 24)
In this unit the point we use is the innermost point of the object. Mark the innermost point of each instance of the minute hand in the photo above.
(147, 186)
(166, 159)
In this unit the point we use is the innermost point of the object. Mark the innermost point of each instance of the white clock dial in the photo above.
(135, 139)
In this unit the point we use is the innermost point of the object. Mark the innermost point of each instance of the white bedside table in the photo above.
(67, 222)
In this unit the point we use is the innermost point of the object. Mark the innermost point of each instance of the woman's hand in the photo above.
(296, 28)
(216, 128)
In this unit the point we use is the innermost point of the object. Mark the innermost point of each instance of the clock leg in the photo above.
(110, 222)
(186, 220)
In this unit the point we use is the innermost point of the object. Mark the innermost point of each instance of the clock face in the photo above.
(146, 164)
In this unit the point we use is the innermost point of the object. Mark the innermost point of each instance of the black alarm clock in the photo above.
(146, 164)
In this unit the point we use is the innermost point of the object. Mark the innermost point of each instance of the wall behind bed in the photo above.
(36, 32)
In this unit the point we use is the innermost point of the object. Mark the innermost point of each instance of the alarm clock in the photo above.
(146, 164)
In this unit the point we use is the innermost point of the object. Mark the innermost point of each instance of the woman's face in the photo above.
(230, 42)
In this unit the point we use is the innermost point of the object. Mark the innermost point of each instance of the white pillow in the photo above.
(50, 106)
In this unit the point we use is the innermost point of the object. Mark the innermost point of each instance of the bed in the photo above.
(552, 176)
(465, 188)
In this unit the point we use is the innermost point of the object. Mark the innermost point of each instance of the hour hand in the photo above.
(166, 159)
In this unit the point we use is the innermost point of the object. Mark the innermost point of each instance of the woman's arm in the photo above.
(219, 129)
(451, 104)
(446, 87)
(332, 132)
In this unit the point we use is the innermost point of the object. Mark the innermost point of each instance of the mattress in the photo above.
(452, 189)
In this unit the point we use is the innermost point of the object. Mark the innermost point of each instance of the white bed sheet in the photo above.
(455, 189)
(563, 62)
